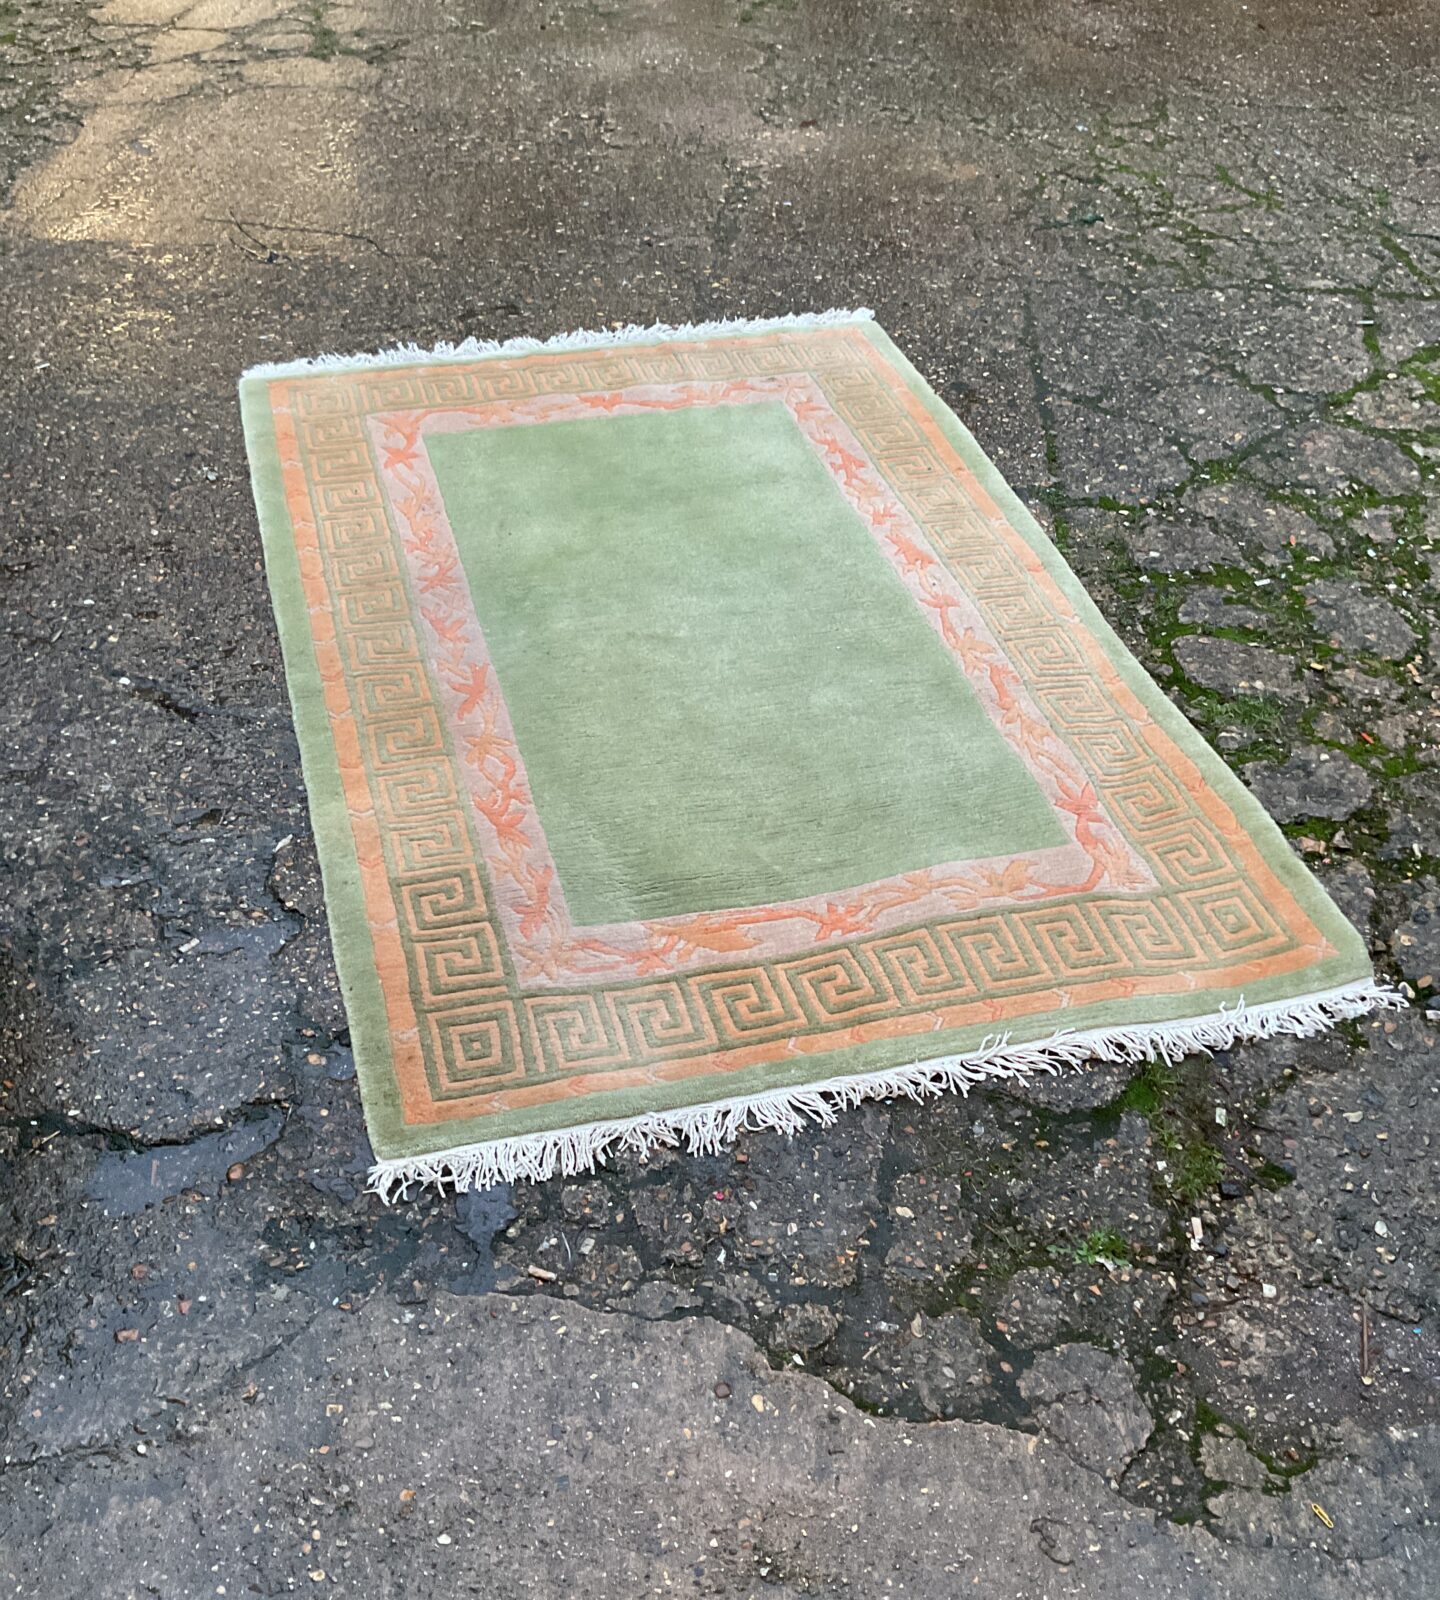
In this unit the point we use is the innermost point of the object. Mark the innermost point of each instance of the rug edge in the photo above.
(708, 1128)
(402, 355)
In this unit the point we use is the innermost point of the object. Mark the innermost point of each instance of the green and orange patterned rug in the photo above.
(700, 735)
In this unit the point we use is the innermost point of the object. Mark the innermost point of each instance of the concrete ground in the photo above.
(1179, 268)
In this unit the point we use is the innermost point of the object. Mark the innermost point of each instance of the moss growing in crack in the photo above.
(961, 1290)
(1285, 1471)
(1359, 837)
(1266, 725)
(1153, 1369)
(1149, 1090)
(1265, 199)
(1253, 713)
(324, 41)
(1102, 1247)
(1194, 1166)
(1175, 1100)
(1208, 1421)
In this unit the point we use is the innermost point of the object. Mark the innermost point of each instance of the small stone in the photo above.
(722, 1390)
(1232, 668)
(1182, 549)
(1398, 403)
(806, 1327)
(1213, 608)
(1087, 1401)
(1314, 782)
(1278, 529)
(235, 1172)
(1333, 460)
(1353, 619)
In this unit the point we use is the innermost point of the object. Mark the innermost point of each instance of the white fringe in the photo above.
(709, 1128)
(408, 355)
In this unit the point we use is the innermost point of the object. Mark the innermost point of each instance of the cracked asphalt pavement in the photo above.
(1170, 1333)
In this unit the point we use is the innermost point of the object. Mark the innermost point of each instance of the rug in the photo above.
(699, 735)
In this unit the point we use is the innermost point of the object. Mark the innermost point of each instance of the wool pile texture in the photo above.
(699, 735)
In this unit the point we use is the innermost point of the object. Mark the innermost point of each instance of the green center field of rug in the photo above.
(699, 734)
